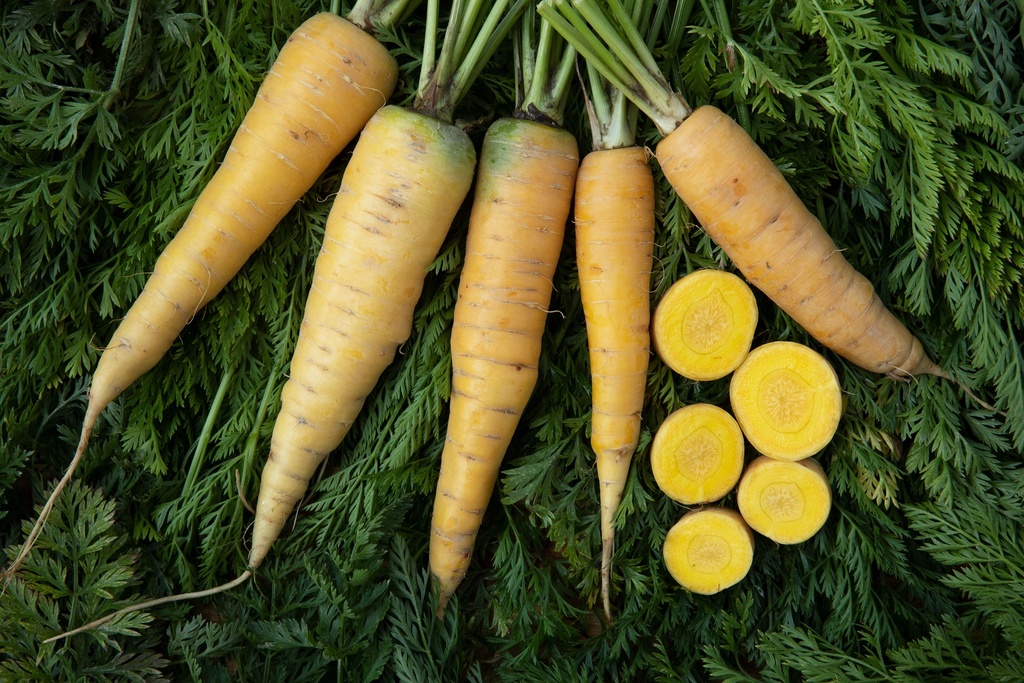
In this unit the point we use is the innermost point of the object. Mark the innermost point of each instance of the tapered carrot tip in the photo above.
(786, 501)
(92, 414)
(787, 400)
(697, 454)
(709, 550)
(704, 325)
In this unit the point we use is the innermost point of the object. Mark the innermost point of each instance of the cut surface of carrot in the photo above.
(787, 502)
(697, 454)
(787, 400)
(709, 550)
(704, 325)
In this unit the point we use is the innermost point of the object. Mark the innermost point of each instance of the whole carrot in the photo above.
(614, 210)
(407, 178)
(614, 254)
(329, 78)
(521, 203)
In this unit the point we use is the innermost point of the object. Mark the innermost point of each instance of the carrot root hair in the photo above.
(195, 595)
(91, 416)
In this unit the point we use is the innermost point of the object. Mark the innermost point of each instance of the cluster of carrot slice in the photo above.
(786, 403)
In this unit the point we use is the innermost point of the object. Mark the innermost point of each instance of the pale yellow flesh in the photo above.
(787, 400)
(697, 454)
(785, 501)
(709, 550)
(406, 180)
(704, 325)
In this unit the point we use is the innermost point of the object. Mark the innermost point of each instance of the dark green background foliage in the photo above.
(901, 124)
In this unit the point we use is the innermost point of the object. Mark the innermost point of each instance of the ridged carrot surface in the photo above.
(517, 225)
(407, 178)
(614, 212)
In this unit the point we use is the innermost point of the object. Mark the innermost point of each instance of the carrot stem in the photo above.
(445, 81)
(122, 56)
(370, 15)
(607, 38)
(204, 436)
(542, 85)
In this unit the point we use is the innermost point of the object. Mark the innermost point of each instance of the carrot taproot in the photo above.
(614, 213)
(614, 217)
(744, 203)
(329, 78)
(406, 179)
(522, 199)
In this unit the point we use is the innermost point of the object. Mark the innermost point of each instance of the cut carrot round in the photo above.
(704, 325)
(697, 454)
(787, 400)
(787, 502)
(709, 550)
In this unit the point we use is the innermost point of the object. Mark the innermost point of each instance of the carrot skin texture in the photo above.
(328, 79)
(407, 178)
(520, 206)
(614, 213)
(751, 212)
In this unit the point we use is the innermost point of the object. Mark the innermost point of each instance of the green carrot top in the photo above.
(470, 39)
(544, 68)
(607, 37)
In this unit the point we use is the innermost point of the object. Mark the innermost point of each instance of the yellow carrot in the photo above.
(749, 209)
(520, 207)
(614, 212)
(328, 79)
(408, 175)
(523, 195)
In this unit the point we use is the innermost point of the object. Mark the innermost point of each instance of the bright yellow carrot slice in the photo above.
(786, 501)
(786, 398)
(704, 325)
(697, 454)
(709, 550)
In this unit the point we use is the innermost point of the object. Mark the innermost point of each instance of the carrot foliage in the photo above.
(900, 124)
